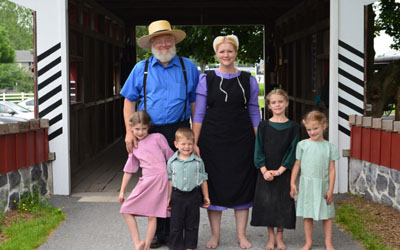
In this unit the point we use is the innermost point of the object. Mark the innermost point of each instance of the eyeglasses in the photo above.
(159, 42)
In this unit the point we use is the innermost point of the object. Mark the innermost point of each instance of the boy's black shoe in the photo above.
(155, 243)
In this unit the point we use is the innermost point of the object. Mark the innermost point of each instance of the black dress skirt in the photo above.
(273, 206)
(227, 140)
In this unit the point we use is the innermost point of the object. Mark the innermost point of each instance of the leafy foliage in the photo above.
(388, 20)
(13, 76)
(19, 22)
(198, 42)
(7, 53)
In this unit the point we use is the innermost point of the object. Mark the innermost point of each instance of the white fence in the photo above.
(15, 97)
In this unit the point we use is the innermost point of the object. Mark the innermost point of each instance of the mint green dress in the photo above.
(315, 157)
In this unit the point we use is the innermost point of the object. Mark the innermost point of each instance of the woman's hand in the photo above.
(206, 203)
(196, 150)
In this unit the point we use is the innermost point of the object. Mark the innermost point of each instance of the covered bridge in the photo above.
(84, 51)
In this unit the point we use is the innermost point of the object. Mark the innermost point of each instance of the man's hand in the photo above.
(130, 142)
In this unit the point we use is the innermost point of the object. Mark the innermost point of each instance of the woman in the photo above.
(225, 121)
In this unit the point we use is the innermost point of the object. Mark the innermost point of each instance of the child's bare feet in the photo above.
(329, 247)
(213, 242)
(140, 246)
(279, 241)
(306, 247)
(243, 242)
(270, 246)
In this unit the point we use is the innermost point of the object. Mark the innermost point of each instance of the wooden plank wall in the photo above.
(293, 41)
(96, 44)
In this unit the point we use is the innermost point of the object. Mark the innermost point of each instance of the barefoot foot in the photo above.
(279, 244)
(269, 246)
(244, 243)
(306, 247)
(140, 246)
(213, 242)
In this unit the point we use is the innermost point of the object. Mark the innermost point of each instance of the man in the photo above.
(165, 86)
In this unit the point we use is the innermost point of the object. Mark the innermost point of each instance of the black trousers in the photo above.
(168, 130)
(185, 219)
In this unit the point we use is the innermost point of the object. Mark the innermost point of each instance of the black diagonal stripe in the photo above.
(55, 134)
(55, 119)
(351, 49)
(343, 115)
(351, 91)
(49, 94)
(350, 105)
(344, 130)
(351, 77)
(50, 108)
(49, 66)
(351, 63)
(48, 52)
(49, 80)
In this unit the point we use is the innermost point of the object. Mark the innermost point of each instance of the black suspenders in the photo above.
(145, 80)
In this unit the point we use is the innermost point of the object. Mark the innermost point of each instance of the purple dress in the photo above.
(150, 195)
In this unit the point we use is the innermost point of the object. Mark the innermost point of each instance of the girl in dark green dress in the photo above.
(274, 157)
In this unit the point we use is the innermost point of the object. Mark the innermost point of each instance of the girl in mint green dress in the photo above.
(316, 159)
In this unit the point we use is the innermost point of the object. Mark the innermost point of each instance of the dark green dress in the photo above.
(275, 147)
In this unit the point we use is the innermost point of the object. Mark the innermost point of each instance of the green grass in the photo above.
(35, 221)
(353, 221)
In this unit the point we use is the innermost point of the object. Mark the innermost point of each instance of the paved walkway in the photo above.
(93, 222)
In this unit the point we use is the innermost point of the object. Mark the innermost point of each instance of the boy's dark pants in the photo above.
(185, 219)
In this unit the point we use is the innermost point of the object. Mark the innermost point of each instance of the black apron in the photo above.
(273, 206)
(227, 140)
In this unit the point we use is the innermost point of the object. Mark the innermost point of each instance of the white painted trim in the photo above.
(368, 2)
(52, 29)
(333, 77)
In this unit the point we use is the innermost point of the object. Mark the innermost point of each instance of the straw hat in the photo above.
(157, 28)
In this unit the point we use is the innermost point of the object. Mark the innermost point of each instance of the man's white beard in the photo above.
(164, 57)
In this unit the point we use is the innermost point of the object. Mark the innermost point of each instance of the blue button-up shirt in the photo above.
(165, 88)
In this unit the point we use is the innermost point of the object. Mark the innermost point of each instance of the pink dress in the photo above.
(150, 195)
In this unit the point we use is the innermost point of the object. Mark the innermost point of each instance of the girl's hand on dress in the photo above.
(206, 203)
(121, 197)
(329, 197)
(293, 191)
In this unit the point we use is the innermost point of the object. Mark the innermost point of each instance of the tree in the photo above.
(12, 76)
(383, 88)
(141, 53)
(7, 53)
(19, 22)
(389, 21)
(198, 43)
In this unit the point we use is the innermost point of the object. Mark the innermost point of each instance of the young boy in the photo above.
(186, 176)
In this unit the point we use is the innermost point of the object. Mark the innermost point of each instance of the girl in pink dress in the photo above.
(150, 196)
